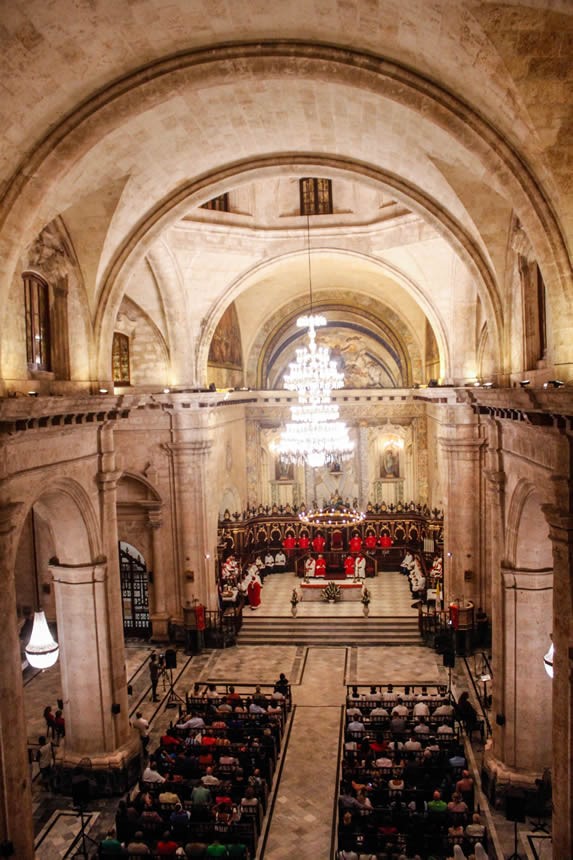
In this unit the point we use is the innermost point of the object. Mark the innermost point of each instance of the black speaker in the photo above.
(81, 790)
(449, 659)
(515, 805)
(171, 658)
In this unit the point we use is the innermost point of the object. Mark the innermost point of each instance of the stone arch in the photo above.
(528, 545)
(396, 82)
(255, 359)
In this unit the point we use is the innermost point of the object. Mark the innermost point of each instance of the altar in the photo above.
(312, 590)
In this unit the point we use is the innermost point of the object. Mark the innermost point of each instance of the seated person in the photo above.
(280, 561)
(476, 829)
(110, 845)
(137, 845)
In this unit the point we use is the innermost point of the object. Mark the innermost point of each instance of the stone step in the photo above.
(329, 631)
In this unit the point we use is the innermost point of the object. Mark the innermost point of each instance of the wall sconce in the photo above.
(548, 660)
(553, 383)
(525, 382)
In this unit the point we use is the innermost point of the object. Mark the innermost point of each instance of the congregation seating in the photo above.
(217, 775)
(404, 783)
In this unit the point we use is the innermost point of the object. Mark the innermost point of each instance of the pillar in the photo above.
(15, 790)
(107, 480)
(158, 615)
(462, 562)
(195, 514)
(561, 534)
(87, 663)
(527, 609)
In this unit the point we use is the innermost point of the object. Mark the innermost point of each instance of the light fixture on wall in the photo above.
(548, 660)
(525, 382)
(42, 650)
(553, 383)
(315, 435)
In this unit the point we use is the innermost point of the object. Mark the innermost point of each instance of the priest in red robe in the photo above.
(349, 567)
(320, 568)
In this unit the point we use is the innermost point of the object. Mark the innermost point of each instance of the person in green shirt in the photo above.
(110, 845)
(215, 849)
(436, 804)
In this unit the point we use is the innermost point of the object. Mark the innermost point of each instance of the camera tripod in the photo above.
(173, 698)
(82, 851)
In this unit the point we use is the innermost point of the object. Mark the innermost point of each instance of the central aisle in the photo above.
(303, 815)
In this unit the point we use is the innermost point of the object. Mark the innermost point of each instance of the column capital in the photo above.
(468, 449)
(527, 580)
(154, 519)
(189, 448)
(107, 480)
(79, 574)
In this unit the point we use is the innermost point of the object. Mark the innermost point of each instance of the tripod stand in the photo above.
(83, 852)
(172, 698)
(515, 855)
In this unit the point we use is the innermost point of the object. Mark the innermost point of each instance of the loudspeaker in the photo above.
(449, 659)
(116, 708)
(81, 791)
(515, 805)
(171, 658)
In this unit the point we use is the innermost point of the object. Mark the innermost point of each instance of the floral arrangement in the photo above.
(366, 596)
(331, 592)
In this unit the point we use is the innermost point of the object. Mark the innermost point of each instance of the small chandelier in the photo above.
(42, 650)
(334, 515)
(315, 435)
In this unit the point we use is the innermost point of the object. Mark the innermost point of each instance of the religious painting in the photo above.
(225, 349)
(390, 463)
(284, 471)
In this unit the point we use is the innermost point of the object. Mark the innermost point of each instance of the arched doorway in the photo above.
(134, 592)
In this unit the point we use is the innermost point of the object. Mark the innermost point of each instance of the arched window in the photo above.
(120, 359)
(315, 196)
(37, 303)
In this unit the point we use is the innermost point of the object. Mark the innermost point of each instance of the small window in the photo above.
(315, 196)
(37, 302)
(120, 359)
(218, 204)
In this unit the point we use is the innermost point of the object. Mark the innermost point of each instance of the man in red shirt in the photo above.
(355, 543)
(349, 567)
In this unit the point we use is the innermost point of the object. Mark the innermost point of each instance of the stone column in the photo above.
(159, 616)
(363, 458)
(107, 480)
(195, 516)
(462, 530)
(524, 742)
(15, 791)
(561, 534)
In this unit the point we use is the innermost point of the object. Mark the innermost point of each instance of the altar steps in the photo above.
(328, 631)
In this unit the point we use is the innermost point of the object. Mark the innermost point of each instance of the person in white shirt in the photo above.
(421, 709)
(151, 775)
(444, 710)
(379, 711)
(280, 561)
(360, 567)
(142, 726)
(445, 729)
(192, 722)
(400, 709)
(309, 567)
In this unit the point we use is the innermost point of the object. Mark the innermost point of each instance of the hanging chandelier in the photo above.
(315, 435)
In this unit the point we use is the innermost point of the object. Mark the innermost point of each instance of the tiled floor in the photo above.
(303, 807)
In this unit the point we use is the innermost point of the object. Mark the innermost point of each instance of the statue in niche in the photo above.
(390, 463)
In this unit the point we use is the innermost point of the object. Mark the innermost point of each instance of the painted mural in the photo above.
(225, 349)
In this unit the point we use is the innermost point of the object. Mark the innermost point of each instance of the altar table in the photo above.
(312, 590)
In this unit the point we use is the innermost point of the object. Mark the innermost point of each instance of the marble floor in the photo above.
(302, 810)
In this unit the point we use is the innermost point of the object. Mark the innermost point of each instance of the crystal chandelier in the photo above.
(315, 435)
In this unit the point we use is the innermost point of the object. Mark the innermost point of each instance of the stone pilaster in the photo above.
(561, 534)
(15, 790)
(159, 616)
(362, 453)
(462, 542)
(195, 516)
(107, 481)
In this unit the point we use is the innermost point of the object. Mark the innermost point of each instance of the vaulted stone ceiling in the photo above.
(122, 118)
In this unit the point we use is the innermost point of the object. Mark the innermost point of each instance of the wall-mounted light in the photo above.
(553, 383)
(32, 393)
(166, 390)
(103, 391)
(548, 660)
(487, 385)
(525, 382)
